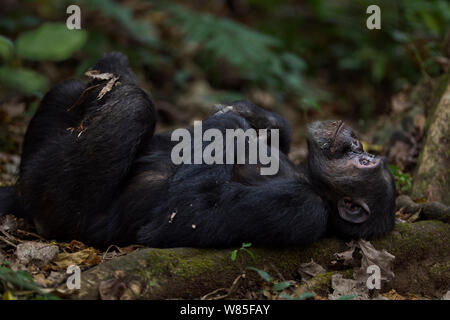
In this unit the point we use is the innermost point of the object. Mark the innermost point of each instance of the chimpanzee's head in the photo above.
(359, 184)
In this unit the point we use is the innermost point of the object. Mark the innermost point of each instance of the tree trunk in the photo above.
(432, 178)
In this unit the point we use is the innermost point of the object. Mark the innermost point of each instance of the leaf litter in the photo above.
(26, 259)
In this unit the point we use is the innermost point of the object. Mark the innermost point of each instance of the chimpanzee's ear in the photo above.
(353, 210)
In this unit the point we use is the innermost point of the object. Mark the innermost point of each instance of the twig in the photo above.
(107, 250)
(27, 233)
(8, 236)
(7, 241)
(206, 296)
(83, 96)
(228, 290)
(277, 271)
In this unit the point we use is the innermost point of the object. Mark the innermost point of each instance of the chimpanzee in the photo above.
(94, 170)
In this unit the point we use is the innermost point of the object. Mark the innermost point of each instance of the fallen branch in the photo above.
(422, 252)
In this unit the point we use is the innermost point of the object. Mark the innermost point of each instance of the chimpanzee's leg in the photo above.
(74, 162)
(259, 118)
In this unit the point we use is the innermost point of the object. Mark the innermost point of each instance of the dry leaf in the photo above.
(393, 295)
(130, 248)
(107, 88)
(310, 269)
(112, 289)
(13, 109)
(41, 280)
(419, 123)
(37, 252)
(344, 287)
(346, 256)
(86, 257)
(8, 223)
(371, 256)
(95, 74)
(399, 102)
(7, 295)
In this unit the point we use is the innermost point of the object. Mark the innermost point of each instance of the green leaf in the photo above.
(378, 68)
(233, 255)
(306, 295)
(23, 281)
(141, 29)
(6, 48)
(347, 297)
(246, 245)
(285, 296)
(261, 273)
(51, 41)
(24, 80)
(280, 286)
(400, 36)
(431, 22)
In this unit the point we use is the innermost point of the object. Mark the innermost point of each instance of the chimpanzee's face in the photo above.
(358, 183)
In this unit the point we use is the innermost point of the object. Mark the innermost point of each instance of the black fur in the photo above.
(112, 180)
(9, 203)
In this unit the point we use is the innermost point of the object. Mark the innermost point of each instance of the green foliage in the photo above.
(403, 181)
(23, 282)
(303, 296)
(411, 36)
(6, 48)
(54, 42)
(347, 297)
(280, 286)
(306, 295)
(282, 42)
(142, 30)
(261, 59)
(264, 275)
(24, 80)
(51, 41)
(244, 249)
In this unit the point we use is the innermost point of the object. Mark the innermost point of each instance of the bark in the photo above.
(422, 252)
(432, 178)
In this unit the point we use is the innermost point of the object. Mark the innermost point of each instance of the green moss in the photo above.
(321, 283)
(415, 239)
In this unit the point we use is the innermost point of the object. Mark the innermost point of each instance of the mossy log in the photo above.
(432, 178)
(422, 251)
